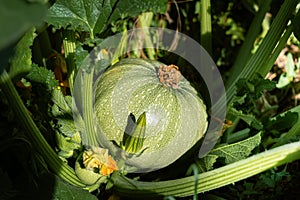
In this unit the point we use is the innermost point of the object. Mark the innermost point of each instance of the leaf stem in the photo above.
(209, 180)
(206, 30)
(40, 144)
(245, 51)
(70, 49)
(267, 48)
(88, 109)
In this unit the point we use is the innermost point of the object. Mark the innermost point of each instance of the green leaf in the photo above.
(293, 133)
(287, 77)
(67, 126)
(67, 145)
(237, 151)
(94, 16)
(62, 104)
(67, 137)
(21, 61)
(254, 87)
(206, 163)
(213, 179)
(43, 76)
(247, 94)
(248, 118)
(63, 190)
(80, 55)
(79, 15)
(17, 17)
(132, 8)
(283, 81)
(282, 122)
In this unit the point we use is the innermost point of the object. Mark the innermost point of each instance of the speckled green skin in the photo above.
(175, 118)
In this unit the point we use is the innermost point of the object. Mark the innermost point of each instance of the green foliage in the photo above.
(42, 76)
(229, 153)
(281, 123)
(248, 91)
(62, 104)
(265, 186)
(291, 72)
(254, 87)
(20, 63)
(17, 17)
(249, 118)
(67, 136)
(63, 190)
(94, 16)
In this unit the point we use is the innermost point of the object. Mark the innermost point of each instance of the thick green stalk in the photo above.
(145, 20)
(88, 110)
(209, 180)
(266, 48)
(70, 49)
(60, 168)
(274, 55)
(280, 46)
(205, 25)
(245, 50)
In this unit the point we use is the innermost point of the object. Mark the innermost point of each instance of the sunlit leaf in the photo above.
(43, 76)
(237, 151)
(207, 163)
(21, 61)
(248, 118)
(94, 16)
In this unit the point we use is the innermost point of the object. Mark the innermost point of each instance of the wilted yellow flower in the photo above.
(98, 158)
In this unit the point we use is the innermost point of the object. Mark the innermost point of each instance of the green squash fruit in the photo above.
(175, 115)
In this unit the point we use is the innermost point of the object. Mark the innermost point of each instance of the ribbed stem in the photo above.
(206, 30)
(60, 168)
(209, 180)
(70, 49)
(245, 50)
(257, 62)
(88, 109)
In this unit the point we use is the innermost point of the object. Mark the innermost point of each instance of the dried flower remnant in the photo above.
(98, 159)
(169, 75)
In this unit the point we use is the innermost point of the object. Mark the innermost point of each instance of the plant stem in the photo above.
(60, 168)
(206, 36)
(268, 47)
(70, 49)
(245, 50)
(209, 180)
(145, 20)
(88, 110)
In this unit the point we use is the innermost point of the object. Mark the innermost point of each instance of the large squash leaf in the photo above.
(52, 187)
(94, 16)
(17, 17)
(237, 151)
